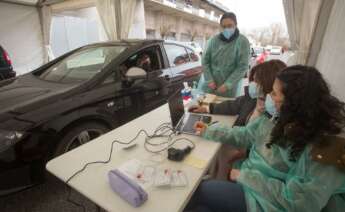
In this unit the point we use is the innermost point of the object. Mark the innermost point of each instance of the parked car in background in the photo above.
(82, 95)
(261, 55)
(6, 69)
(258, 55)
(276, 50)
(268, 48)
(196, 46)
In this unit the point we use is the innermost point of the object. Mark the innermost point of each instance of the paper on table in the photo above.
(210, 98)
(195, 162)
(139, 172)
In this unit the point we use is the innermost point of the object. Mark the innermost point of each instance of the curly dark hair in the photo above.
(308, 112)
(265, 73)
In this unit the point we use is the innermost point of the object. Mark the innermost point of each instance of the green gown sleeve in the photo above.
(241, 137)
(308, 190)
(206, 63)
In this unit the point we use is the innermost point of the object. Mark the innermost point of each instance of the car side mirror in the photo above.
(136, 73)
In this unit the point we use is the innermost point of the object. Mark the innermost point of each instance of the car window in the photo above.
(193, 57)
(148, 59)
(177, 55)
(82, 65)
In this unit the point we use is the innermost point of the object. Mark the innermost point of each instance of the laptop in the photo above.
(183, 122)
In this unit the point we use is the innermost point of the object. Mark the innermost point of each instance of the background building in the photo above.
(182, 20)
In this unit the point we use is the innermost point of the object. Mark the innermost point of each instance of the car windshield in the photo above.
(82, 65)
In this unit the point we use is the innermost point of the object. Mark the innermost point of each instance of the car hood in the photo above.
(27, 93)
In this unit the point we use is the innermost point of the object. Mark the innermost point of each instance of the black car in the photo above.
(6, 69)
(81, 95)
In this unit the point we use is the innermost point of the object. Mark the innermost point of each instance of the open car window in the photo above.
(149, 59)
(82, 65)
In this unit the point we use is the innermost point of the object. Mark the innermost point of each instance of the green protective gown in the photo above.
(225, 63)
(272, 182)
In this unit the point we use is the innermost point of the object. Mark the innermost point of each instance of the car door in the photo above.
(127, 101)
(105, 97)
(184, 65)
(153, 91)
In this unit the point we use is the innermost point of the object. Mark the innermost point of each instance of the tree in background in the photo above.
(271, 35)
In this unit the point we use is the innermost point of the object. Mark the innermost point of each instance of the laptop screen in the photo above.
(176, 108)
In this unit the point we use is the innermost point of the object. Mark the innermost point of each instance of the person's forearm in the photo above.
(236, 136)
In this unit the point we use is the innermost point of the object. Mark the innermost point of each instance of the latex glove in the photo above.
(212, 85)
(222, 89)
(234, 174)
(199, 127)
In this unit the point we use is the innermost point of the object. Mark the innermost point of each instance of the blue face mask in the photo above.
(228, 32)
(270, 107)
(253, 90)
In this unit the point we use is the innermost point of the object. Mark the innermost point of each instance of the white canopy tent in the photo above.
(25, 25)
(316, 29)
(330, 60)
(21, 34)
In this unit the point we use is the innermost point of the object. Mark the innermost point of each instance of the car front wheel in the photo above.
(80, 135)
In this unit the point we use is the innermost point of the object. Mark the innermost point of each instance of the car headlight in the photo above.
(9, 138)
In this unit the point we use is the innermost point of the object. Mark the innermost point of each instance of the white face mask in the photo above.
(270, 107)
(253, 90)
(228, 32)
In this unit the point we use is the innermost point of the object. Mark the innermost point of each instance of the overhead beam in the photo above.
(18, 2)
(72, 5)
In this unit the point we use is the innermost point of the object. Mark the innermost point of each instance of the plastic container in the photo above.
(186, 92)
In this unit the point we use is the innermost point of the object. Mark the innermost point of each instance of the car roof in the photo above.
(129, 42)
(137, 43)
(186, 44)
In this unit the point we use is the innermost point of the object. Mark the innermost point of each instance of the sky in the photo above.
(252, 14)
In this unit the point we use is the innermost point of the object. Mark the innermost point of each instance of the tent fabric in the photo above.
(24, 2)
(26, 35)
(107, 12)
(138, 29)
(71, 5)
(127, 16)
(319, 32)
(46, 19)
(330, 60)
(21, 36)
(117, 17)
(301, 18)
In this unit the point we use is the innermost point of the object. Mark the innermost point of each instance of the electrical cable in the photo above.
(160, 132)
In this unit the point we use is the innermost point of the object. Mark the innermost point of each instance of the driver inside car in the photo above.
(144, 62)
